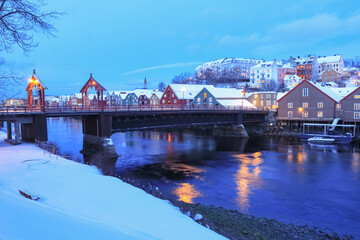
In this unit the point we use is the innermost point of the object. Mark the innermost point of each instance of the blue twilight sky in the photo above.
(121, 42)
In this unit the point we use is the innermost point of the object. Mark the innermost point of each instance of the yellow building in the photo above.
(330, 75)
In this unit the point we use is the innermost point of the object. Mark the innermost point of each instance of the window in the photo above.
(290, 105)
(163, 100)
(338, 106)
(198, 99)
(356, 96)
(305, 105)
(356, 106)
(268, 102)
(320, 105)
(164, 95)
(261, 103)
(210, 99)
(205, 94)
(172, 95)
(356, 115)
(254, 102)
(175, 101)
(305, 92)
(261, 96)
(290, 113)
(268, 96)
(305, 114)
(320, 114)
(157, 101)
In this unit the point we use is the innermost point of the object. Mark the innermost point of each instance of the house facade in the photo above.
(306, 102)
(212, 97)
(290, 81)
(335, 62)
(264, 75)
(266, 100)
(155, 98)
(306, 67)
(131, 99)
(329, 75)
(349, 107)
(143, 100)
(234, 67)
(286, 69)
(181, 94)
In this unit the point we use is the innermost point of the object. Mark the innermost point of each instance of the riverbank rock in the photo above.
(230, 131)
(198, 217)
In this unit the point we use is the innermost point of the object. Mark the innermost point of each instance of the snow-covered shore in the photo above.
(77, 202)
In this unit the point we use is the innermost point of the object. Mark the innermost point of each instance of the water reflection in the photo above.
(247, 177)
(275, 177)
(186, 192)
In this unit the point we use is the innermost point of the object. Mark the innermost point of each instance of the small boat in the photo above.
(321, 140)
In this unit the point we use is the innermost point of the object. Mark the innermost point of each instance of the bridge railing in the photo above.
(121, 108)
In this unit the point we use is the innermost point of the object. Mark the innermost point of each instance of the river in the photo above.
(273, 177)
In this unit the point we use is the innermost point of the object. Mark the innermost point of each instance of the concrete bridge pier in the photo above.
(10, 131)
(97, 125)
(35, 129)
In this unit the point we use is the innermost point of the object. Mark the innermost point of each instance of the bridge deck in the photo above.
(121, 110)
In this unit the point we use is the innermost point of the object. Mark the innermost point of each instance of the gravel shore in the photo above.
(235, 225)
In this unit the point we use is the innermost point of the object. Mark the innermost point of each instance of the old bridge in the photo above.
(29, 123)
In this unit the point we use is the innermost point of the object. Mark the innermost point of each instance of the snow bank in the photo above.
(76, 202)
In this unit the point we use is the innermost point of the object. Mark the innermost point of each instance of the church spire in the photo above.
(145, 84)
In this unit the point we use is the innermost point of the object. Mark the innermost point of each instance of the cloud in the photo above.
(173, 65)
(305, 33)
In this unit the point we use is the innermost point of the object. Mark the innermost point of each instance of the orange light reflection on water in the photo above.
(186, 192)
(247, 178)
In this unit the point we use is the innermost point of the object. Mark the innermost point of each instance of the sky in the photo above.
(122, 42)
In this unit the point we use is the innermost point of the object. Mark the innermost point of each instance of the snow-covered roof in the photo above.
(288, 65)
(328, 68)
(221, 93)
(305, 60)
(280, 95)
(264, 64)
(292, 78)
(188, 91)
(146, 92)
(236, 103)
(335, 93)
(329, 59)
(228, 61)
(157, 94)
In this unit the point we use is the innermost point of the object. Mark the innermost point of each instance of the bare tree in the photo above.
(161, 86)
(19, 19)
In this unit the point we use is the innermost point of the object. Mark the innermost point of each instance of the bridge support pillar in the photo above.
(35, 130)
(10, 131)
(98, 126)
(239, 119)
(1, 124)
